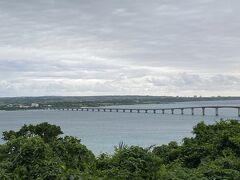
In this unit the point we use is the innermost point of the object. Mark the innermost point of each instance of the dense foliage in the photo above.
(39, 152)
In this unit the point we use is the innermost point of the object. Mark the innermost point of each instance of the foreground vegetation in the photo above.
(39, 152)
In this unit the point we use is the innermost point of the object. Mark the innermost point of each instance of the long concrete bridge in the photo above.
(152, 110)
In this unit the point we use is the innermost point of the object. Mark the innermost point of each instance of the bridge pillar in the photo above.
(172, 111)
(146, 111)
(216, 111)
(130, 110)
(138, 111)
(163, 111)
(238, 112)
(92, 109)
(123, 110)
(203, 111)
(110, 110)
(192, 111)
(104, 110)
(154, 111)
(182, 111)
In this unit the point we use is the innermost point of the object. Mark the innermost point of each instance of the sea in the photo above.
(102, 131)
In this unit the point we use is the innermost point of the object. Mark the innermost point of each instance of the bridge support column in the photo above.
(203, 111)
(110, 110)
(216, 111)
(192, 111)
(146, 111)
(138, 111)
(104, 110)
(172, 111)
(154, 111)
(182, 111)
(123, 110)
(238, 112)
(163, 111)
(130, 110)
(116, 110)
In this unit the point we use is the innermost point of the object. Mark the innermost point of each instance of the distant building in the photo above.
(23, 106)
(35, 105)
(10, 105)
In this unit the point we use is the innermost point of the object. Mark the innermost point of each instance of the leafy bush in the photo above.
(38, 152)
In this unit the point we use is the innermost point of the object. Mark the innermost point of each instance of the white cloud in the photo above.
(61, 47)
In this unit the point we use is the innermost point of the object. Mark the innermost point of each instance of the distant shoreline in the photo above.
(107, 105)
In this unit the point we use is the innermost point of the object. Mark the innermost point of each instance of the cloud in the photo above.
(87, 47)
(185, 83)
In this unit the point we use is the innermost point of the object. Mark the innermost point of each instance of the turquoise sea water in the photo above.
(100, 131)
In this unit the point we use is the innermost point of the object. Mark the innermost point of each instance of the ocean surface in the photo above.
(101, 131)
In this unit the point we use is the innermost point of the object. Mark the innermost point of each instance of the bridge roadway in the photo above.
(159, 110)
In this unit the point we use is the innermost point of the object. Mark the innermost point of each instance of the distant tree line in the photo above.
(93, 101)
(41, 152)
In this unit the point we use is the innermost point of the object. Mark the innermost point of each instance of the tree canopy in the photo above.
(41, 152)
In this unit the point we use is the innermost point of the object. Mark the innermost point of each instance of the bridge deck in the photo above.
(169, 108)
(154, 110)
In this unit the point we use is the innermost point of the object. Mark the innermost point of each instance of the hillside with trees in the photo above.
(42, 152)
(19, 103)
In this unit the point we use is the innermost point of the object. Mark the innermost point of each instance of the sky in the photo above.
(119, 47)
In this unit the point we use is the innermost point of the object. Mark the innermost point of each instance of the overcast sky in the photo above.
(119, 47)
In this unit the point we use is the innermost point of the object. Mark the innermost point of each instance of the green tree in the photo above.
(37, 152)
(46, 131)
(129, 163)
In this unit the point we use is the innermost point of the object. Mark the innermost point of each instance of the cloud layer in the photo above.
(88, 47)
